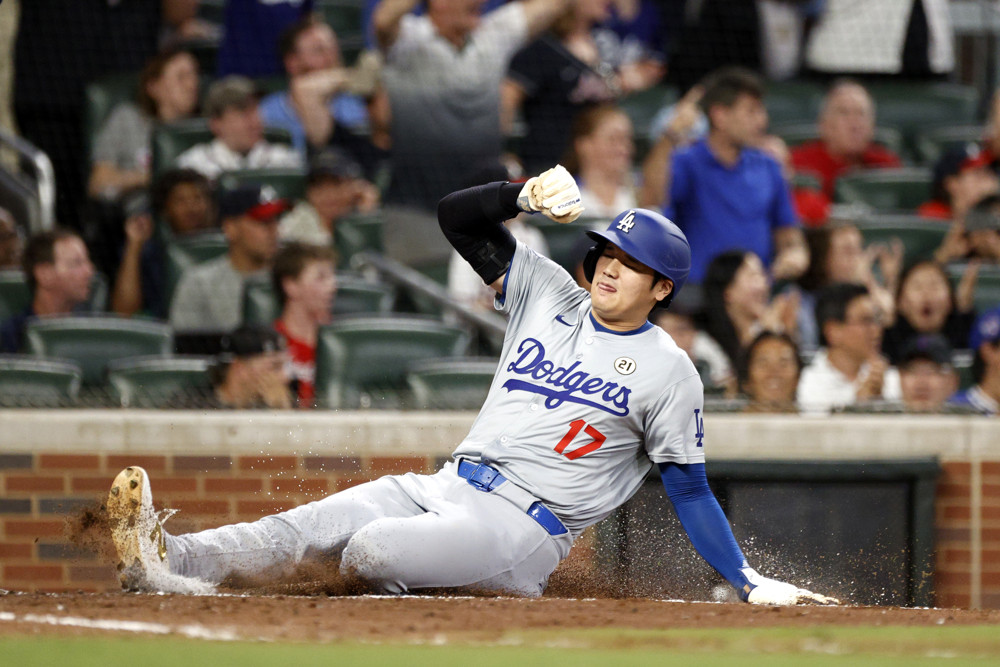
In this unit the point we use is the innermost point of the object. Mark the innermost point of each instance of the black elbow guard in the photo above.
(472, 221)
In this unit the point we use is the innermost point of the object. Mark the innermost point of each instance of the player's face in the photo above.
(926, 385)
(314, 289)
(772, 373)
(623, 292)
(847, 124)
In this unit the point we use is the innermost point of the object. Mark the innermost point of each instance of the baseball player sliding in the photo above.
(588, 397)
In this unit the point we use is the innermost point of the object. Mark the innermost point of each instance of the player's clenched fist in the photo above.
(553, 193)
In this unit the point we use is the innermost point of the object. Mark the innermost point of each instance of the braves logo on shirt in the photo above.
(564, 383)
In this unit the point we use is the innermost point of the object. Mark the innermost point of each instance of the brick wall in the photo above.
(40, 494)
(209, 465)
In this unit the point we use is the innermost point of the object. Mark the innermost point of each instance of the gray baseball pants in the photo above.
(398, 533)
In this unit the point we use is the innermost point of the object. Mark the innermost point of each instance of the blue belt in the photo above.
(486, 478)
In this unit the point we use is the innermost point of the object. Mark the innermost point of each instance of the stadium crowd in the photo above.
(846, 251)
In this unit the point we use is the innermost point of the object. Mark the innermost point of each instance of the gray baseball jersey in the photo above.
(577, 414)
(575, 418)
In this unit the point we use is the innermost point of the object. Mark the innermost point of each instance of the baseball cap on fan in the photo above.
(249, 341)
(929, 347)
(260, 202)
(958, 159)
(986, 329)
(333, 164)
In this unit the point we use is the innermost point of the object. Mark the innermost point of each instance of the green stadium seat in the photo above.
(799, 133)
(362, 361)
(152, 382)
(987, 294)
(806, 180)
(888, 190)
(920, 236)
(450, 384)
(932, 142)
(14, 293)
(101, 96)
(356, 233)
(792, 102)
(289, 183)
(31, 382)
(354, 296)
(94, 342)
(182, 253)
(563, 239)
(170, 140)
(912, 106)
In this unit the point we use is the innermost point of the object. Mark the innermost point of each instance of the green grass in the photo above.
(775, 647)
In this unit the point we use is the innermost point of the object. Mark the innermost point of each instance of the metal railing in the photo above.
(41, 180)
(490, 326)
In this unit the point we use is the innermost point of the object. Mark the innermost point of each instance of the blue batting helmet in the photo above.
(648, 237)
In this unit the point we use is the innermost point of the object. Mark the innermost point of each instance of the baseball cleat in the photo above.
(140, 540)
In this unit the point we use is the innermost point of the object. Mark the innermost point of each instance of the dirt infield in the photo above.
(418, 618)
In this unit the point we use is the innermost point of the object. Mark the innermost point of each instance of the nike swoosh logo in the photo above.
(560, 320)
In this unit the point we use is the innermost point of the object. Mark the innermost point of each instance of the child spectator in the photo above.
(305, 283)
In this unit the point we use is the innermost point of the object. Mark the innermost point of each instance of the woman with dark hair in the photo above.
(927, 303)
(568, 69)
(168, 91)
(838, 255)
(737, 304)
(769, 373)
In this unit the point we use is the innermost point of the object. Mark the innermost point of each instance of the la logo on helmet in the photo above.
(627, 223)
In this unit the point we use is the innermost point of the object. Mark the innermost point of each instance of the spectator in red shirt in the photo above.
(962, 177)
(305, 283)
(846, 137)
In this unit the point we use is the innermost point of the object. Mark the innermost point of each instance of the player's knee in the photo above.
(367, 557)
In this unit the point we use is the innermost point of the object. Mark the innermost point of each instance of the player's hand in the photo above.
(554, 193)
(778, 593)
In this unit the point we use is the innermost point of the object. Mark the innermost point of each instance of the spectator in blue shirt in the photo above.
(727, 195)
(316, 107)
(984, 396)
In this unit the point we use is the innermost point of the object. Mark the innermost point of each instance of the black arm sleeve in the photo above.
(472, 221)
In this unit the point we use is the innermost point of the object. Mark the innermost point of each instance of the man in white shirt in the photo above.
(233, 117)
(209, 296)
(442, 73)
(849, 368)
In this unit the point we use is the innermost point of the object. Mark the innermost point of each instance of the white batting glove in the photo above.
(778, 593)
(554, 194)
